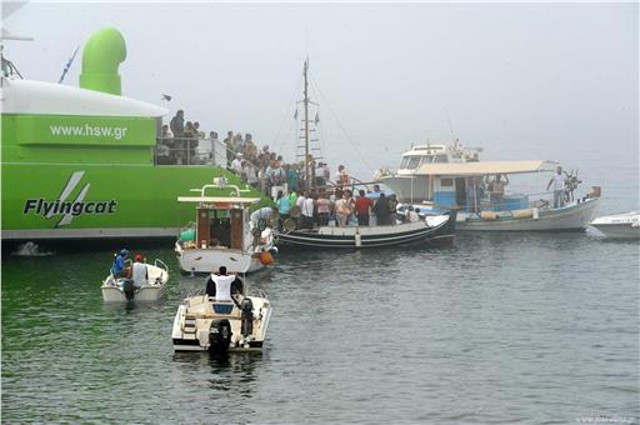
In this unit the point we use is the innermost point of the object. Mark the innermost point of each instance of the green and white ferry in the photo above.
(80, 162)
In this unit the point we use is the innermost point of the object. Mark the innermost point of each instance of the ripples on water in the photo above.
(529, 328)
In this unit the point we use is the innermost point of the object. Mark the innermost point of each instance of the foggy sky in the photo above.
(524, 81)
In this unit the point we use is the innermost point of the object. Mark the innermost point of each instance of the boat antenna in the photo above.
(307, 172)
(453, 135)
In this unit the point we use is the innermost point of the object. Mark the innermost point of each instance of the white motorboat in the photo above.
(122, 289)
(619, 226)
(204, 324)
(223, 234)
(408, 182)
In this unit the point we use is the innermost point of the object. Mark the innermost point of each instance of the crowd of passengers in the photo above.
(335, 207)
(331, 202)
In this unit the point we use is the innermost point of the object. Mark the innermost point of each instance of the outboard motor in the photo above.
(247, 317)
(219, 337)
(128, 289)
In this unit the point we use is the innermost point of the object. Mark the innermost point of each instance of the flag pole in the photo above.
(306, 126)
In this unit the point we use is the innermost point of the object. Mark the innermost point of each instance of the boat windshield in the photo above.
(411, 162)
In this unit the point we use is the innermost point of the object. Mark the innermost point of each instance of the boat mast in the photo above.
(307, 172)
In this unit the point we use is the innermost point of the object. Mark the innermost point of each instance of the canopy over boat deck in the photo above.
(468, 169)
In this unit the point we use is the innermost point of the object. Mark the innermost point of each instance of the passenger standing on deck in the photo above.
(292, 177)
(393, 206)
(219, 285)
(284, 206)
(496, 191)
(362, 208)
(342, 177)
(293, 197)
(213, 139)
(381, 210)
(306, 204)
(236, 164)
(177, 124)
(139, 272)
(558, 181)
(228, 145)
(177, 128)
(344, 208)
(323, 205)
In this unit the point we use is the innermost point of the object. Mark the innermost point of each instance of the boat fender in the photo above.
(266, 259)
(536, 213)
(358, 238)
(128, 289)
(247, 317)
(219, 337)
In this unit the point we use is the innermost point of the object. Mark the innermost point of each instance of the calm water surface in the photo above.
(529, 328)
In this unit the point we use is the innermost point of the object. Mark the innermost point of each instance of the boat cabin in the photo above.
(221, 222)
(464, 186)
(421, 155)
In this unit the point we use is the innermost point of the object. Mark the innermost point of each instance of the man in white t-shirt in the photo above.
(558, 181)
(236, 164)
(219, 285)
(306, 204)
(139, 272)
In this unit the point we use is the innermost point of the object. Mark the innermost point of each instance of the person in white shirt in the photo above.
(236, 164)
(558, 181)
(139, 273)
(219, 285)
(412, 215)
(261, 217)
(306, 210)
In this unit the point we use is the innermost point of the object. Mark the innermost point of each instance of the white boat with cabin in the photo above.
(619, 226)
(223, 234)
(204, 324)
(122, 289)
(405, 183)
(462, 187)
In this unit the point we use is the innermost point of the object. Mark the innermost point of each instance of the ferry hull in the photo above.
(84, 201)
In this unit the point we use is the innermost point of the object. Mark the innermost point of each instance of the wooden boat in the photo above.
(432, 230)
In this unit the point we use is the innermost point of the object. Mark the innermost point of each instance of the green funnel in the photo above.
(102, 55)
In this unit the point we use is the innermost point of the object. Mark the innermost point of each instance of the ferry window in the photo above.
(446, 182)
(441, 158)
(404, 162)
(413, 162)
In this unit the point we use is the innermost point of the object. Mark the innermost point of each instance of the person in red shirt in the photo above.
(362, 208)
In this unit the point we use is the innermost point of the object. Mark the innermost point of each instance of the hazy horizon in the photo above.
(523, 81)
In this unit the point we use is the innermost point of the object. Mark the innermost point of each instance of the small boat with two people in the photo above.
(223, 233)
(137, 281)
(476, 191)
(619, 226)
(223, 319)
